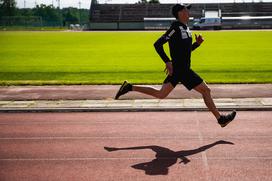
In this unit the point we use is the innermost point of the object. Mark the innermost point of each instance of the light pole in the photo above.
(79, 5)
(58, 3)
(59, 12)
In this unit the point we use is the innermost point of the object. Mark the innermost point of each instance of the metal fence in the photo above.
(27, 21)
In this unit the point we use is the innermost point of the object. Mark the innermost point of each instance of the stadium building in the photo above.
(158, 16)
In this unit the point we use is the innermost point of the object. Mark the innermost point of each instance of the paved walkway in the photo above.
(134, 105)
(100, 98)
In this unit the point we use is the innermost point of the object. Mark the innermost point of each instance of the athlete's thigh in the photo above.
(201, 87)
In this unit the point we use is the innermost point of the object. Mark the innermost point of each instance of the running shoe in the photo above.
(224, 120)
(125, 88)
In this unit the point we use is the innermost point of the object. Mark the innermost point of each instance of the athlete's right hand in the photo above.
(169, 68)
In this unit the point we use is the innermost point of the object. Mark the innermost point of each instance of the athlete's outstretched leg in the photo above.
(161, 94)
(223, 120)
(205, 91)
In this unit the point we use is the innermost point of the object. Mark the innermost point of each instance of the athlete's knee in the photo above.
(162, 95)
(164, 91)
(205, 90)
(208, 90)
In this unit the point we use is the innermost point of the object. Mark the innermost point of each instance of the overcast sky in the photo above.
(86, 3)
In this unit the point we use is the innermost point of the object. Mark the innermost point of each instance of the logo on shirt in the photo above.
(170, 34)
(185, 33)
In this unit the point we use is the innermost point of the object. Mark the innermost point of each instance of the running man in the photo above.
(179, 38)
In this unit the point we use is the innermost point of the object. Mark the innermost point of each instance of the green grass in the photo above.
(38, 58)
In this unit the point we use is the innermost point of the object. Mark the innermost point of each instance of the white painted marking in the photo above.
(127, 158)
(131, 137)
(203, 154)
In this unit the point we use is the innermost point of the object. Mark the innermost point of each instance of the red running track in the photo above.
(141, 146)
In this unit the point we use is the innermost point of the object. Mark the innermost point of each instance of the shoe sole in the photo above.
(121, 88)
(224, 125)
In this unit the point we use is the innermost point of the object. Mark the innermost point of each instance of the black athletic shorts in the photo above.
(188, 78)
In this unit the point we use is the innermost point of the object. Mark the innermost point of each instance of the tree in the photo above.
(48, 13)
(94, 2)
(142, 2)
(154, 2)
(151, 2)
(70, 16)
(7, 8)
(25, 12)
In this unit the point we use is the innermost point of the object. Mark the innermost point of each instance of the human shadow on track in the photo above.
(165, 157)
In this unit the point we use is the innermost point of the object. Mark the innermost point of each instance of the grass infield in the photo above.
(43, 58)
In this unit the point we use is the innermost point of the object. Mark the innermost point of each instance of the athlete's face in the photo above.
(184, 15)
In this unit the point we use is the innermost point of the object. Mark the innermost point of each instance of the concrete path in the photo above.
(240, 104)
(134, 146)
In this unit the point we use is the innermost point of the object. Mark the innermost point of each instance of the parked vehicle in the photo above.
(208, 23)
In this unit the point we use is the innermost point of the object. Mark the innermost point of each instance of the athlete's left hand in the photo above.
(168, 68)
(199, 39)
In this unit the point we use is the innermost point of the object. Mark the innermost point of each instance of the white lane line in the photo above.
(140, 158)
(91, 137)
(201, 137)
(83, 159)
(203, 153)
(242, 158)
(64, 123)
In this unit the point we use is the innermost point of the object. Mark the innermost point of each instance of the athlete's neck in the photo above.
(183, 21)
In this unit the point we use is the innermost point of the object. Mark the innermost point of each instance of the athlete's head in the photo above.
(181, 12)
